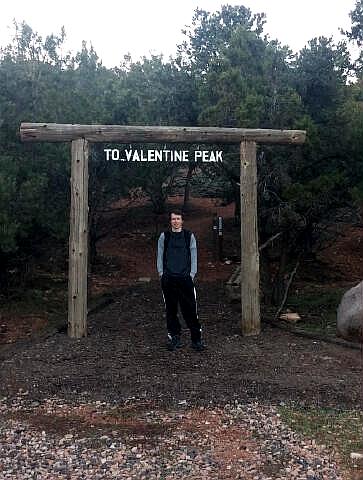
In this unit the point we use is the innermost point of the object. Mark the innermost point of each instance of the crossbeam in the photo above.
(55, 132)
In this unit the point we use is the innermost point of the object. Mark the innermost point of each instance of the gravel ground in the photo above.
(118, 405)
(56, 439)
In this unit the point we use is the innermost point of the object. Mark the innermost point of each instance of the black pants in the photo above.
(180, 290)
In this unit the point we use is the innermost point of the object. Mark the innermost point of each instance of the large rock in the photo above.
(350, 314)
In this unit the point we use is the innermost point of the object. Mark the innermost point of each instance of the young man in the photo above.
(177, 266)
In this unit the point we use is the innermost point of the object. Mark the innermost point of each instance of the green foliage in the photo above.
(355, 35)
(226, 73)
(356, 16)
(153, 92)
(318, 195)
(9, 224)
(212, 32)
(311, 184)
(321, 72)
(38, 84)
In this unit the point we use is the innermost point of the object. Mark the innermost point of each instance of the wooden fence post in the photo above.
(250, 291)
(78, 241)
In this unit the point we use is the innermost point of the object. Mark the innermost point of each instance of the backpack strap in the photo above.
(166, 243)
(187, 238)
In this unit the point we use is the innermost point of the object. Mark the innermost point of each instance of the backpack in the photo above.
(187, 239)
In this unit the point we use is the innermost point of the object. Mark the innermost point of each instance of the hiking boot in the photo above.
(198, 346)
(174, 342)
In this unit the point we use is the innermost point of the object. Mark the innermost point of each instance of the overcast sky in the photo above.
(141, 27)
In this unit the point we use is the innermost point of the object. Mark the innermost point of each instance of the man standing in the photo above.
(177, 266)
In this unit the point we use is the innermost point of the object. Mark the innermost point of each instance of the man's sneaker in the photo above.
(174, 342)
(198, 346)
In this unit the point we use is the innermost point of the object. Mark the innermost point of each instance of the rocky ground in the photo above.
(137, 440)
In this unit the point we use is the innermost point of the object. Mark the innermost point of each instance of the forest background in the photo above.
(227, 73)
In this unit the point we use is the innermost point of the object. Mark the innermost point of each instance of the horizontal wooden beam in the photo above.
(56, 132)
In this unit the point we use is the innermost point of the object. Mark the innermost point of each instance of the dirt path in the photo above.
(124, 356)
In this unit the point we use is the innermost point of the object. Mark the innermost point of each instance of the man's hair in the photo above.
(176, 211)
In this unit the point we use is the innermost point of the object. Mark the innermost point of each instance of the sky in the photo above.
(144, 27)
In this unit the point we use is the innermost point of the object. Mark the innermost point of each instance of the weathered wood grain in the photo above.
(250, 278)
(53, 132)
(78, 241)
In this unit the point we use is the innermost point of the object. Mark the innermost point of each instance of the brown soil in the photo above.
(15, 326)
(124, 354)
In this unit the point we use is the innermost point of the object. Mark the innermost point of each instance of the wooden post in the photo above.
(78, 241)
(250, 292)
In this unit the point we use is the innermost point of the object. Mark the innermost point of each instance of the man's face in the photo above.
(176, 221)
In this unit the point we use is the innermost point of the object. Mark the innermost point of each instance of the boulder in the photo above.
(350, 314)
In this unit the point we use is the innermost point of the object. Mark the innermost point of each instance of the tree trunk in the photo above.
(187, 186)
(279, 283)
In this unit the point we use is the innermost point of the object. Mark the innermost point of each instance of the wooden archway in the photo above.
(81, 135)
